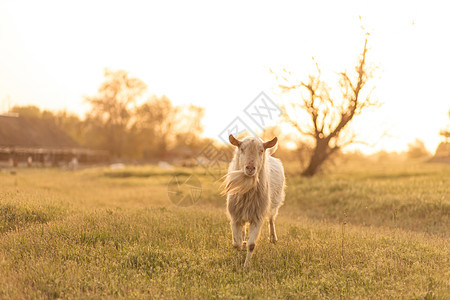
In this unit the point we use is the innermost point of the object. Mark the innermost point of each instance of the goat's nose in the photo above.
(250, 169)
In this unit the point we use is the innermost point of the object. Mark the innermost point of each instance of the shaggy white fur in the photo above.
(255, 189)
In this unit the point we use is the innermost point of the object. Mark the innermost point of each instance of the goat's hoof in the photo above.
(237, 246)
(273, 239)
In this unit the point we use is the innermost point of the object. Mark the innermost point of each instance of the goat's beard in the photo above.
(236, 182)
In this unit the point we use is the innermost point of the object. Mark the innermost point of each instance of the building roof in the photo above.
(18, 131)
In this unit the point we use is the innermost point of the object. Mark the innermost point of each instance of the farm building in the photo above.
(32, 140)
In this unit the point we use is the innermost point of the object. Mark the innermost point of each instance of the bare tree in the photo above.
(446, 132)
(329, 115)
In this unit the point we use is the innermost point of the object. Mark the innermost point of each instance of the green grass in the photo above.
(375, 231)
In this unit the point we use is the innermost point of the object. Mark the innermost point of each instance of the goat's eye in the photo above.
(261, 151)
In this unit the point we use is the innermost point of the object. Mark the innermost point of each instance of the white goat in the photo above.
(255, 189)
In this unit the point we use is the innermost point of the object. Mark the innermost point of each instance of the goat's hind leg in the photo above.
(272, 233)
(244, 242)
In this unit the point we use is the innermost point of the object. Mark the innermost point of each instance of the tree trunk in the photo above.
(320, 154)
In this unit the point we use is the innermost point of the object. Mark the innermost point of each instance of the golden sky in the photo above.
(218, 56)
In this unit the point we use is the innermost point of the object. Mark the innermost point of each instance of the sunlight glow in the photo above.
(219, 56)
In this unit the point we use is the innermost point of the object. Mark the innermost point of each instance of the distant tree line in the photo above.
(118, 124)
(130, 125)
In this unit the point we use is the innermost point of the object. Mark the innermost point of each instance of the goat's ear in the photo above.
(234, 141)
(270, 143)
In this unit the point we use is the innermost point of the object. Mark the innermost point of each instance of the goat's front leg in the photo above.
(253, 234)
(237, 229)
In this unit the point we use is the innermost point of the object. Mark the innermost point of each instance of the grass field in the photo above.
(367, 231)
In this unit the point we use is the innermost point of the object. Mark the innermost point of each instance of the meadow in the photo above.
(365, 230)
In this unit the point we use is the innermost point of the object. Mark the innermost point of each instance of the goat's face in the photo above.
(251, 153)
